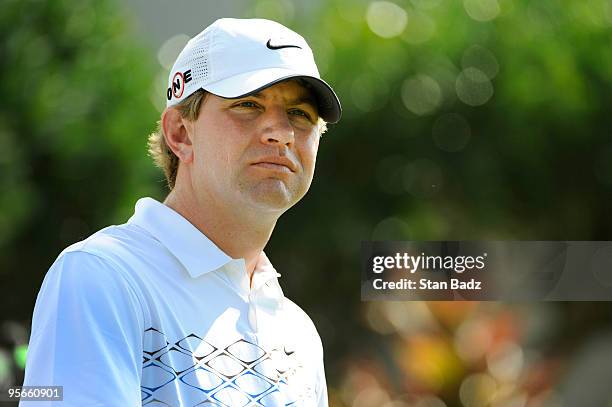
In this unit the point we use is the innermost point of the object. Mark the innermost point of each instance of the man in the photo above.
(180, 306)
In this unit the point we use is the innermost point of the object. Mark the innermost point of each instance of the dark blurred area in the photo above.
(463, 119)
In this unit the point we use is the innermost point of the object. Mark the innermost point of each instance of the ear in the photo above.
(176, 134)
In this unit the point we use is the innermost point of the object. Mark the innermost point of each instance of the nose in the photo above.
(276, 128)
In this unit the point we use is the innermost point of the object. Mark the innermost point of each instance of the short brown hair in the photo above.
(162, 155)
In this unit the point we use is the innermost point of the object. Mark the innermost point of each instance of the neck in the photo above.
(236, 231)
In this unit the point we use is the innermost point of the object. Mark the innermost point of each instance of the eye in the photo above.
(247, 103)
(299, 112)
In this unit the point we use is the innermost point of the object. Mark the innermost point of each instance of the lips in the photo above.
(276, 163)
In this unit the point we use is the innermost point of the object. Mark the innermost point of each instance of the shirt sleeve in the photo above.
(322, 400)
(86, 334)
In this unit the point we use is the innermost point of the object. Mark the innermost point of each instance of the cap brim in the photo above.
(250, 82)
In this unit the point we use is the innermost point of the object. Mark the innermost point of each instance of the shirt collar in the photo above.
(196, 252)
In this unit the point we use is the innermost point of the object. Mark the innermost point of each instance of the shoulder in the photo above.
(304, 322)
(82, 273)
(113, 242)
(101, 260)
(122, 247)
(87, 275)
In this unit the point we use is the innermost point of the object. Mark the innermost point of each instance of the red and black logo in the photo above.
(178, 84)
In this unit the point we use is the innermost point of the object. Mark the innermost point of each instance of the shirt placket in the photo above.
(264, 298)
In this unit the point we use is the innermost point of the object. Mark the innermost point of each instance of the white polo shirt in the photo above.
(151, 312)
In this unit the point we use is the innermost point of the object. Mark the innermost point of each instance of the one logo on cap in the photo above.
(177, 87)
(269, 45)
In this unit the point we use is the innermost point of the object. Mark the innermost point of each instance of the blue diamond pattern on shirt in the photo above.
(240, 374)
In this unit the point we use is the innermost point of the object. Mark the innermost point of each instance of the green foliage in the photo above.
(73, 127)
(537, 163)
(468, 123)
(19, 353)
(533, 147)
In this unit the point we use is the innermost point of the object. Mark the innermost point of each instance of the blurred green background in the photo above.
(463, 119)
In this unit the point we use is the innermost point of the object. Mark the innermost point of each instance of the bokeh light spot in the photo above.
(473, 87)
(481, 10)
(477, 390)
(505, 362)
(377, 319)
(409, 318)
(421, 94)
(170, 49)
(512, 400)
(386, 19)
(19, 354)
(157, 94)
(429, 401)
(372, 396)
(482, 59)
(420, 28)
(472, 340)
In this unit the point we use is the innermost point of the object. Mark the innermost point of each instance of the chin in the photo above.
(274, 196)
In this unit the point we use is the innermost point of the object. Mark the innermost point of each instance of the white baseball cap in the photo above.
(233, 58)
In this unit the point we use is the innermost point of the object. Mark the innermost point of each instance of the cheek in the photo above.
(308, 154)
(215, 162)
(213, 150)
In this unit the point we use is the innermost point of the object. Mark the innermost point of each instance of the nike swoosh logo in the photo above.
(270, 46)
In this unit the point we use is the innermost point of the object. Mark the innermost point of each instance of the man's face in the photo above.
(257, 151)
